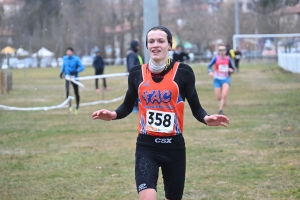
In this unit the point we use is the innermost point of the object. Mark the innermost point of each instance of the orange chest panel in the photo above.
(162, 100)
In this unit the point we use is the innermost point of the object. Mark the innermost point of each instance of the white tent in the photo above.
(43, 52)
(22, 52)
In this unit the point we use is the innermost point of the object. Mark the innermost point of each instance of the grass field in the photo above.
(256, 157)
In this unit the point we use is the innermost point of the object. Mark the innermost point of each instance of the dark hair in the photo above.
(179, 46)
(134, 45)
(70, 48)
(167, 31)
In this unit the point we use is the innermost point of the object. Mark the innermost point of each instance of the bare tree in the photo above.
(58, 24)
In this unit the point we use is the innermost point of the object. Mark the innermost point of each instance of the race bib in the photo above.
(223, 68)
(237, 57)
(159, 121)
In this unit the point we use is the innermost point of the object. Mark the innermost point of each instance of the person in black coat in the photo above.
(237, 58)
(132, 56)
(132, 60)
(99, 69)
(179, 55)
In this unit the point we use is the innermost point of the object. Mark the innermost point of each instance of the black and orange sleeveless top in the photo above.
(160, 105)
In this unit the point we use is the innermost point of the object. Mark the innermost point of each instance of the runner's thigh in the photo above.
(174, 175)
(146, 169)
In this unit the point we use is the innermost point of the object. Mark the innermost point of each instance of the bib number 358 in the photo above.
(160, 121)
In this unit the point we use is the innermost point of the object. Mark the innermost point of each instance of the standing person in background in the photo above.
(133, 59)
(223, 68)
(179, 55)
(71, 67)
(237, 58)
(99, 69)
(140, 60)
(230, 52)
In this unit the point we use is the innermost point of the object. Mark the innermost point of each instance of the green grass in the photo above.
(256, 157)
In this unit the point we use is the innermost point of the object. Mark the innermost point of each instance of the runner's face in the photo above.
(69, 52)
(158, 46)
(222, 50)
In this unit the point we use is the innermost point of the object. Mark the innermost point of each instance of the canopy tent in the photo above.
(43, 52)
(175, 41)
(22, 52)
(8, 50)
(187, 45)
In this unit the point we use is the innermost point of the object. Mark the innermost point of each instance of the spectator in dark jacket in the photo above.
(132, 59)
(237, 58)
(132, 56)
(230, 52)
(99, 69)
(179, 55)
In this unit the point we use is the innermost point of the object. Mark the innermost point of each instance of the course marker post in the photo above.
(2, 81)
(9, 81)
(102, 95)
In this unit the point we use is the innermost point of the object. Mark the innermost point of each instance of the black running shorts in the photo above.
(165, 152)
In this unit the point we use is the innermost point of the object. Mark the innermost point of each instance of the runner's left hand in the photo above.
(216, 120)
(230, 70)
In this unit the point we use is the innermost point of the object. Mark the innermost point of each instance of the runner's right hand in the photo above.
(104, 115)
(61, 75)
(211, 74)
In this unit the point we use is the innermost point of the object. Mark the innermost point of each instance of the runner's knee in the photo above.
(147, 194)
(219, 97)
(224, 96)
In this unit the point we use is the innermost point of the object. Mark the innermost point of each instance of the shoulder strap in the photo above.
(144, 70)
(174, 69)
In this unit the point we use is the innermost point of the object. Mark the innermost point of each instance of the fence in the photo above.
(289, 61)
(2, 81)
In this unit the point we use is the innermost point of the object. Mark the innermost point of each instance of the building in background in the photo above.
(211, 6)
(245, 5)
(10, 7)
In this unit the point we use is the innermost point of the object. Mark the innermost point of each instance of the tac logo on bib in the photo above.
(157, 96)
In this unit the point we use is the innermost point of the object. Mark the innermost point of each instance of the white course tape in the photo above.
(73, 79)
(38, 108)
(62, 105)
(102, 101)
(102, 76)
